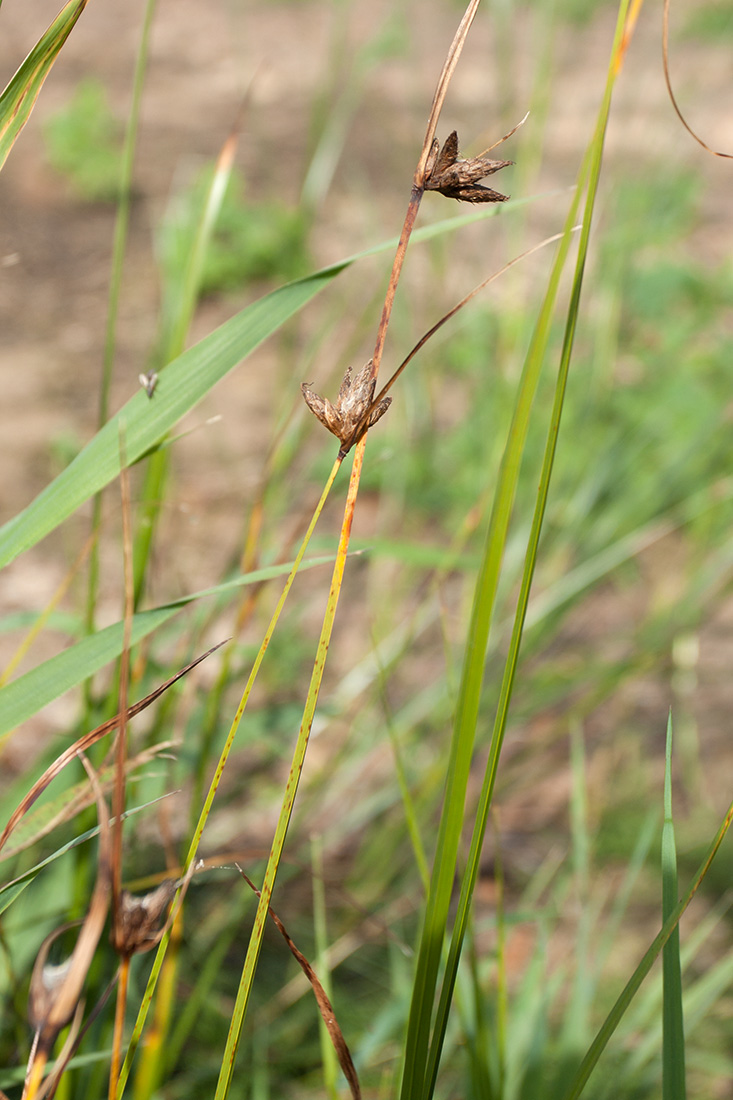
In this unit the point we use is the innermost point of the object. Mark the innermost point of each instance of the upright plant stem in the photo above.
(118, 250)
(206, 809)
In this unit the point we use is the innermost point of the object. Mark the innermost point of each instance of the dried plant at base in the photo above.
(55, 992)
(353, 414)
(457, 178)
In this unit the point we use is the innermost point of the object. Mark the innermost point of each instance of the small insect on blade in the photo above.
(148, 382)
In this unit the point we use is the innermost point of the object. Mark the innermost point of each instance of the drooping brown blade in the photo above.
(91, 738)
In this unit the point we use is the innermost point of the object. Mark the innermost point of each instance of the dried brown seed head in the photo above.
(46, 981)
(457, 178)
(137, 921)
(352, 414)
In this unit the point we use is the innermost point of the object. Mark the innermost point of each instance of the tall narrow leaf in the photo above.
(673, 1043)
(19, 97)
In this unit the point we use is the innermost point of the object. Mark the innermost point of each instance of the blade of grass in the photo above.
(206, 809)
(291, 788)
(426, 974)
(417, 1057)
(180, 295)
(632, 986)
(25, 696)
(320, 930)
(187, 379)
(19, 96)
(118, 252)
(673, 1042)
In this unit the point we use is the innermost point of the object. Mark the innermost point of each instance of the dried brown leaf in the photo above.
(88, 739)
(55, 992)
(324, 1005)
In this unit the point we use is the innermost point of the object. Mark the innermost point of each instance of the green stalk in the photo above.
(291, 787)
(206, 809)
(590, 170)
(634, 983)
(118, 253)
(422, 1054)
(673, 1040)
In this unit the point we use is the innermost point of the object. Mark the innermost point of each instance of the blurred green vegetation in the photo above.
(84, 143)
(644, 445)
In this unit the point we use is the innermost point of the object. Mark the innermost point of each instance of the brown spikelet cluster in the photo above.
(352, 415)
(137, 925)
(457, 178)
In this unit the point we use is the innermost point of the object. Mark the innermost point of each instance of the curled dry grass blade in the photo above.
(76, 798)
(673, 98)
(324, 1005)
(19, 96)
(86, 741)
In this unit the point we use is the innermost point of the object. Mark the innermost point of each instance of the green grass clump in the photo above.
(250, 241)
(710, 22)
(84, 143)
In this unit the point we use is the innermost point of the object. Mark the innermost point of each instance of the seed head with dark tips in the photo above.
(458, 178)
(352, 414)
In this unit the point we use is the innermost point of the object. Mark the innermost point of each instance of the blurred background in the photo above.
(632, 610)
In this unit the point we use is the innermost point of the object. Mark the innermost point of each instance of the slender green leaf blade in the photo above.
(182, 384)
(632, 986)
(34, 690)
(19, 97)
(673, 1042)
(467, 708)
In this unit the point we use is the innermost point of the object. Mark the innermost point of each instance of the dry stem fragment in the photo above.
(352, 415)
(458, 178)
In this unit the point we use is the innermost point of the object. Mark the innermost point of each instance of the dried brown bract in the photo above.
(352, 414)
(457, 178)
